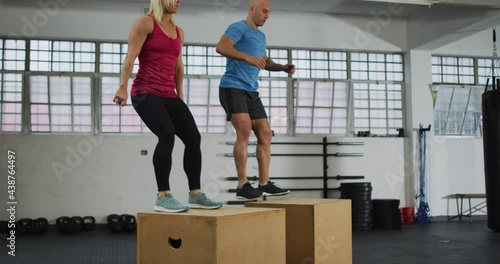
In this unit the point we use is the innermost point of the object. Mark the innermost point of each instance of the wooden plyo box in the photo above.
(228, 235)
(317, 230)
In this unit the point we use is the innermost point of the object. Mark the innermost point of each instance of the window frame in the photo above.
(28, 104)
(97, 75)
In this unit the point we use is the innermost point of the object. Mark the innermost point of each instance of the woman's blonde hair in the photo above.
(157, 10)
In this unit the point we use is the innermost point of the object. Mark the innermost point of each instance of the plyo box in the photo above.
(227, 235)
(317, 230)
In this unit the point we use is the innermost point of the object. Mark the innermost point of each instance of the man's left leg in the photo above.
(264, 135)
(262, 129)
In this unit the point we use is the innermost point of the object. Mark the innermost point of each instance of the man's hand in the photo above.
(257, 62)
(289, 68)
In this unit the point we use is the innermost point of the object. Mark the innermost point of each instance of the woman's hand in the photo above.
(121, 97)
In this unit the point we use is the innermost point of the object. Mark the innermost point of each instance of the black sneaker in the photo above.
(248, 192)
(272, 190)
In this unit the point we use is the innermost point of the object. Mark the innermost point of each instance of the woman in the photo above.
(157, 97)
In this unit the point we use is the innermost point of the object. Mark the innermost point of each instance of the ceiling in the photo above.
(439, 19)
(408, 8)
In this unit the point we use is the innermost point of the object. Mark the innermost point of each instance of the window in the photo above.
(394, 64)
(114, 118)
(376, 66)
(332, 92)
(203, 60)
(62, 56)
(457, 99)
(1, 54)
(457, 110)
(202, 96)
(12, 54)
(273, 93)
(320, 64)
(279, 56)
(484, 70)
(321, 107)
(378, 108)
(10, 102)
(112, 56)
(452, 70)
(60, 103)
(41, 55)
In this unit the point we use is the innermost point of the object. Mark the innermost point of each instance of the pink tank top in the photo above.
(157, 61)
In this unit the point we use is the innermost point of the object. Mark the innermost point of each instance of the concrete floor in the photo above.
(440, 243)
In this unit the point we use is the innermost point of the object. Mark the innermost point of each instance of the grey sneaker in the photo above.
(168, 204)
(201, 201)
(248, 192)
(270, 189)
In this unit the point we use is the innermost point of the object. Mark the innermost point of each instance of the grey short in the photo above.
(235, 101)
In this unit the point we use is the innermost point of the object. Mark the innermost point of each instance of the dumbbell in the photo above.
(66, 225)
(88, 223)
(38, 226)
(128, 222)
(78, 223)
(114, 223)
(4, 227)
(24, 226)
(44, 223)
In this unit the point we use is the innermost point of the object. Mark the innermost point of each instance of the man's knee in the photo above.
(243, 133)
(264, 136)
(242, 125)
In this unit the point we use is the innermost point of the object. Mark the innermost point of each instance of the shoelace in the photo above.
(170, 199)
(276, 187)
(203, 198)
(273, 184)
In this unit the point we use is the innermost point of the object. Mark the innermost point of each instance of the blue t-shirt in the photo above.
(240, 74)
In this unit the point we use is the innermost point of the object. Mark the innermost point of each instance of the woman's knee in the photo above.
(191, 139)
(196, 139)
(167, 139)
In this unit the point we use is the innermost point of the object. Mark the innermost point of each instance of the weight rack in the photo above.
(324, 156)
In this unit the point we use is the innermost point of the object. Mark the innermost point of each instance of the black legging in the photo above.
(167, 117)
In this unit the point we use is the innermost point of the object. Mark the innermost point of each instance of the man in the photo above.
(245, 48)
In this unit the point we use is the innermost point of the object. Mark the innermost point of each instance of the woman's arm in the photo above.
(179, 69)
(140, 31)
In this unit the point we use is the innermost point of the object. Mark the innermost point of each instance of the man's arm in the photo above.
(273, 66)
(225, 47)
